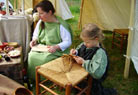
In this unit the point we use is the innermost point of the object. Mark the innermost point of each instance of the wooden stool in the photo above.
(53, 71)
(120, 35)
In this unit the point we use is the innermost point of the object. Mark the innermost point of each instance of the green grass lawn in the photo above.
(115, 78)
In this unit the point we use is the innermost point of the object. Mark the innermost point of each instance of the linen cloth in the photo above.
(16, 29)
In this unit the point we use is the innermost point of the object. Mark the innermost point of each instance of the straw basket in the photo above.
(22, 91)
(67, 62)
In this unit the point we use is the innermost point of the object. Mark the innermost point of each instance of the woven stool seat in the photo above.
(54, 72)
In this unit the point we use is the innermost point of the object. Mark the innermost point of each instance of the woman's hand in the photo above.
(79, 60)
(73, 51)
(33, 43)
(53, 49)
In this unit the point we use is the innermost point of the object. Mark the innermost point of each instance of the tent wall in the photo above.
(61, 7)
(18, 4)
(28, 3)
(108, 14)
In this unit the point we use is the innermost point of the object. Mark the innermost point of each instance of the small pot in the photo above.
(4, 44)
(3, 12)
(22, 91)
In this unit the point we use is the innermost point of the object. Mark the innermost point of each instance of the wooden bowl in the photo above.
(4, 44)
(22, 91)
(13, 44)
(3, 12)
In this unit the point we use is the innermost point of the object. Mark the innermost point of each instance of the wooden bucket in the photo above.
(22, 91)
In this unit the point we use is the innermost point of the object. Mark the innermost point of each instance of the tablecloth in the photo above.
(16, 29)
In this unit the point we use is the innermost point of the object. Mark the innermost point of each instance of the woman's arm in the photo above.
(66, 38)
(36, 31)
(66, 41)
(35, 35)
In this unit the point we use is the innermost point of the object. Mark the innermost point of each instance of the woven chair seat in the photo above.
(55, 72)
(63, 72)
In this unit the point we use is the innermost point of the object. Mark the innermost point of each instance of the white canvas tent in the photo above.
(108, 14)
(61, 7)
(111, 14)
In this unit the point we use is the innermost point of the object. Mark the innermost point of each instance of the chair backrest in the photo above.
(122, 31)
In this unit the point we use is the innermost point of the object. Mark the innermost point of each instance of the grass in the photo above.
(115, 78)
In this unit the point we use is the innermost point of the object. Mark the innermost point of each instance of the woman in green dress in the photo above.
(51, 31)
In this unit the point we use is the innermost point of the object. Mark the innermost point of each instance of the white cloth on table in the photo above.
(65, 36)
(16, 29)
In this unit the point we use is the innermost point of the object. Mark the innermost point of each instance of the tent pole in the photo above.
(15, 4)
(33, 3)
(131, 22)
(81, 11)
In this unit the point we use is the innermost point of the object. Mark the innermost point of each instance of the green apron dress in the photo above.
(48, 36)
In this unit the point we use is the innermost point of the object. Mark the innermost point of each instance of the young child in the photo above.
(92, 56)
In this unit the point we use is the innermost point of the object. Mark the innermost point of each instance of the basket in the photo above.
(4, 44)
(13, 44)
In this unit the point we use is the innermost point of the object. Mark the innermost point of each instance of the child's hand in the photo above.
(79, 60)
(33, 43)
(73, 51)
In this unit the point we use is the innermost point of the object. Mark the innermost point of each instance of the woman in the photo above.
(53, 32)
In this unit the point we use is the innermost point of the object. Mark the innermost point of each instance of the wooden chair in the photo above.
(52, 71)
(119, 38)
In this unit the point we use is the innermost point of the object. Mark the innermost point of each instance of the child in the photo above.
(92, 56)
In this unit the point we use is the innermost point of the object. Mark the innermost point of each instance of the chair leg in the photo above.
(37, 81)
(89, 86)
(122, 41)
(113, 37)
(68, 89)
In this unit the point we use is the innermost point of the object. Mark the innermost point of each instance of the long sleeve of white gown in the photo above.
(35, 34)
(64, 33)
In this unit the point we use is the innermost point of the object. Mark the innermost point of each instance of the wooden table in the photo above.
(53, 71)
(13, 68)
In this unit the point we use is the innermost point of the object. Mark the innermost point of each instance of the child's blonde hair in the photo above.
(92, 31)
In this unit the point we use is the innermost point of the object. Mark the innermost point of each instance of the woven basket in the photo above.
(67, 61)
